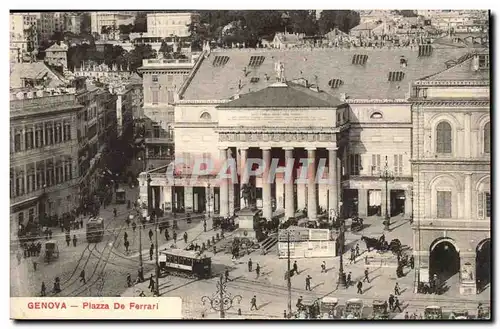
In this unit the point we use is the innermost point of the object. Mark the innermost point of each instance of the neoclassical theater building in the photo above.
(360, 112)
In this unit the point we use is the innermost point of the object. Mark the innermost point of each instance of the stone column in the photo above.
(362, 202)
(243, 163)
(312, 202)
(333, 183)
(267, 211)
(408, 203)
(468, 196)
(188, 198)
(289, 204)
(467, 137)
(224, 190)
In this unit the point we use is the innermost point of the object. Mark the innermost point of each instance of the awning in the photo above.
(24, 204)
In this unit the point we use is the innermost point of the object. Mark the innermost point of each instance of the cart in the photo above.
(433, 313)
(329, 307)
(380, 311)
(353, 309)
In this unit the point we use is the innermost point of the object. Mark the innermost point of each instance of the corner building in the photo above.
(451, 174)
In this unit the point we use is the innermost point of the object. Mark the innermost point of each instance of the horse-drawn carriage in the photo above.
(381, 244)
(353, 309)
(356, 224)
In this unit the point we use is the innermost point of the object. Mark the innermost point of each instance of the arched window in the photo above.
(205, 116)
(443, 137)
(486, 137)
(376, 115)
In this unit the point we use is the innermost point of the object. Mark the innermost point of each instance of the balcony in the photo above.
(46, 149)
(36, 194)
(159, 140)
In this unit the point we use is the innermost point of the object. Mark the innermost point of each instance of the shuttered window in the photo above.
(355, 164)
(398, 164)
(486, 138)
(443, 204)
(375, 164)
(483, 205)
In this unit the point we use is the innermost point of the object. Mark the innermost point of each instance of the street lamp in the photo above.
(221, 300)
(289, 282)
(386, 175)
(152, 216)
(341, 238)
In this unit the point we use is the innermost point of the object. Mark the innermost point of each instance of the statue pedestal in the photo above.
(468, 287)
(247, 220)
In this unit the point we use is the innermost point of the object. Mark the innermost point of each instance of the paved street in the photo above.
(270, 287)
(106, 263)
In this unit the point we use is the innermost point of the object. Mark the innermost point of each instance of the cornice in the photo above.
(452, 83)
(420, 101)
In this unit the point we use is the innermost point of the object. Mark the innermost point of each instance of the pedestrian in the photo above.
(480, 310)
(129, 280)
(74, 240)
(257, 270)
(82, 276)
(396, 290)
(34, 265)
(215, 249)
(185, 236)
(407, 317)
(167, 236)
(204, 226)
(412, 262)
(308, 282)
(43, 292)
(151, 283)
(50, 234)
(366, 276)
(323, 267)
(299, 303)
(18, 257)
(226, 274)
(348, 280)
(396, 304)
(151, 251)
(68, 240)
(284, 314)
(351, 259)
(81, 223)
(175, 237)
(360, 287)
(295, 267)
(357, 249)
(140, 275)
(134, 226)
(57, 286)
(150, 235)
(142, 294)
(250, 265)
(254, 303)
(126, 244)
(391, 302)
(114, 212)
(125, 236)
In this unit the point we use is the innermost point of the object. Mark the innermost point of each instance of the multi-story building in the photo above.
(57, 55)
(111, 19)
(23, 35)
(161, 80)
(73, 23)
(451, 166)
(43, 156)
(170, 24)
(210, 113)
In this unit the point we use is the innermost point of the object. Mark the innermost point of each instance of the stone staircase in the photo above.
(269, 244)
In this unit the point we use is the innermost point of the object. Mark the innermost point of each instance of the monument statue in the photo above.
(246, 194)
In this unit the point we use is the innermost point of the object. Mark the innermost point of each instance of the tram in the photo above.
(185, 263)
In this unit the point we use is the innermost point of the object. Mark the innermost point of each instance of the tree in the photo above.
(407, 13)
(126, 29)
(140, 52)
(57, 36)
(303, 21)
(140, 22)
(344, 20)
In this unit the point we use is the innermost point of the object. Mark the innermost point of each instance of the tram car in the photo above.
(95, 229)
(185, 263)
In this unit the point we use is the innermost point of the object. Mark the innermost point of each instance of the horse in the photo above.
(371, 243)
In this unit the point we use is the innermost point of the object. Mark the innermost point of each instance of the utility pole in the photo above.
(386, 175)
(152, 216)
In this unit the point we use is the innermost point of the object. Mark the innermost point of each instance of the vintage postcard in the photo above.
(243, 164)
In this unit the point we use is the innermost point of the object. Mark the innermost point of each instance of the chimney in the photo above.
(343, 97)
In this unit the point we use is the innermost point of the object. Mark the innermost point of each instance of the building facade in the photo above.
(451, 167)
(170, 24)
(43, 157)
(57, 55)
(109, 19)
(161, 80)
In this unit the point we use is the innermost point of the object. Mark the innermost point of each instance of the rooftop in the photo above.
(284, 95)
(34, 71)
(226, 73)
